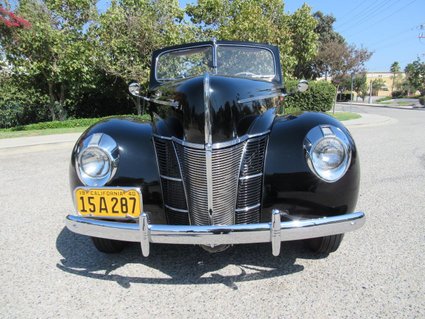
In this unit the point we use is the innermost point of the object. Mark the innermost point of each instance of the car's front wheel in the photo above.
(325, 245)
(108, 246)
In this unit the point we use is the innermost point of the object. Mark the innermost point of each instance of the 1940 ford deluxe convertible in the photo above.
(216, 165)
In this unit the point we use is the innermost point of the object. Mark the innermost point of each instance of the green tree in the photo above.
(326, 35)
(395, 69)
(324, 28)
(415, 75)
(359, 84)
(304, 39)
(54, 49)
(377, 85)
(261, 21)
(126, 34)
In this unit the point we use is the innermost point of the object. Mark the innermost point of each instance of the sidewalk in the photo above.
(368, 120)
(38, 140)
(387, 106)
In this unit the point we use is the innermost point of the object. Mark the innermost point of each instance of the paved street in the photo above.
(379, 270)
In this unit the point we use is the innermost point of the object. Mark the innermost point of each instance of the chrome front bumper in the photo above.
(275, 232)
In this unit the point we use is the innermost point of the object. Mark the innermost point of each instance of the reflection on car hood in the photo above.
(226, 107)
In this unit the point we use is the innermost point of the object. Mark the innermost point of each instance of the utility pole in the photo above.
(352, 77)
(422, 34)
(370, 92)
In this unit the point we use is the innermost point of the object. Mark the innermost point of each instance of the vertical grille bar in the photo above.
(237, 179)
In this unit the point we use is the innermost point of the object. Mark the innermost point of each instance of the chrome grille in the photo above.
(171, 183)
(237, 178)
(248, 207)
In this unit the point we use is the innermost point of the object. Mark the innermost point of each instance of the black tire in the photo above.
(325, 245)
(108, 246)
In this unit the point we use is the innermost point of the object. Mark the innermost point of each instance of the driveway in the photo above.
(49, 272)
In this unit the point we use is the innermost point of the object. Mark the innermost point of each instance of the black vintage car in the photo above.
(217, 165)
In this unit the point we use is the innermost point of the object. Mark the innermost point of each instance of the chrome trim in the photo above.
(182, 181)
(214, 146)
(250, 176)
(315, 136)
(208, 147)
(215, 65)
(260, 97)
(174, 179)
(176, 209)
(207, 93)
(173, 104)
(216, 234)
(275, 232)
(246, 209)
(144, 234)
(105, 144)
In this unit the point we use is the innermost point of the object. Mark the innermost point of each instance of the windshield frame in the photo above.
(214, 45)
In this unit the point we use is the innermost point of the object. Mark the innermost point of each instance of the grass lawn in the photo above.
(345, 116)
(27, 131)
(401, 103)
(10, 134)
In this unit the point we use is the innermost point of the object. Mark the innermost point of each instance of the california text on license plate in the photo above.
(108, 202)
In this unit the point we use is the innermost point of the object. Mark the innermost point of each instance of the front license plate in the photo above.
(108, 202)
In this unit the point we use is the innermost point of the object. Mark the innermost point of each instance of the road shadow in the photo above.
(180, 264)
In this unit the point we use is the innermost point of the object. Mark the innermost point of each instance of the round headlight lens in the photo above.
(95, 162)
(328, 154)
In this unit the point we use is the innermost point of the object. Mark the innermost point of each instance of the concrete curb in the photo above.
(386, 106)
(370, 120)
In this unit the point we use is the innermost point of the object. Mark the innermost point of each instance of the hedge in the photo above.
(84, 122)
(319, 97)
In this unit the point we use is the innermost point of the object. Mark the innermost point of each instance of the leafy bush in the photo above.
(398, 94)
(343, 97)
(319, 97)
(422, 100)
(85, 122)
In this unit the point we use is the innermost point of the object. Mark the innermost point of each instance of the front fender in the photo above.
(290, 185)
(137, 164)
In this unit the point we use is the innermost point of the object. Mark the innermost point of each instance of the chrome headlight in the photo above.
(328, 152)
(97, 159)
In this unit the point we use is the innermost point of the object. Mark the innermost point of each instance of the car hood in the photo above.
(214, 109)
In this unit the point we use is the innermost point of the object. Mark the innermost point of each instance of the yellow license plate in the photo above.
(108, 202)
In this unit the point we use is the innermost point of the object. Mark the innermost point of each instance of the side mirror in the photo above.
(134, 89)
(302, 86)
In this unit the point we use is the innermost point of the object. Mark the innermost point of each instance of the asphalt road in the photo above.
(379, 271)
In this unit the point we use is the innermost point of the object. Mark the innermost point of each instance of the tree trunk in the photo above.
(137, 103)
(336, 97)
(62, 114)
(51, 104)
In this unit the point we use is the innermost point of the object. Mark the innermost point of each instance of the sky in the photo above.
(388, 28)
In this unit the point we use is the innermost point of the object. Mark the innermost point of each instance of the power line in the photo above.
(393, 36)
(394, 12)
(371, 9)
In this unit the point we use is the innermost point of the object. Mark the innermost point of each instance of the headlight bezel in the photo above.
(106, 145)
(321, 134)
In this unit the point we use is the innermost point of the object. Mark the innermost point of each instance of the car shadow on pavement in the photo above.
(180, 264)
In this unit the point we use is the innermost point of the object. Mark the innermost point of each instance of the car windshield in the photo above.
(242, 61)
